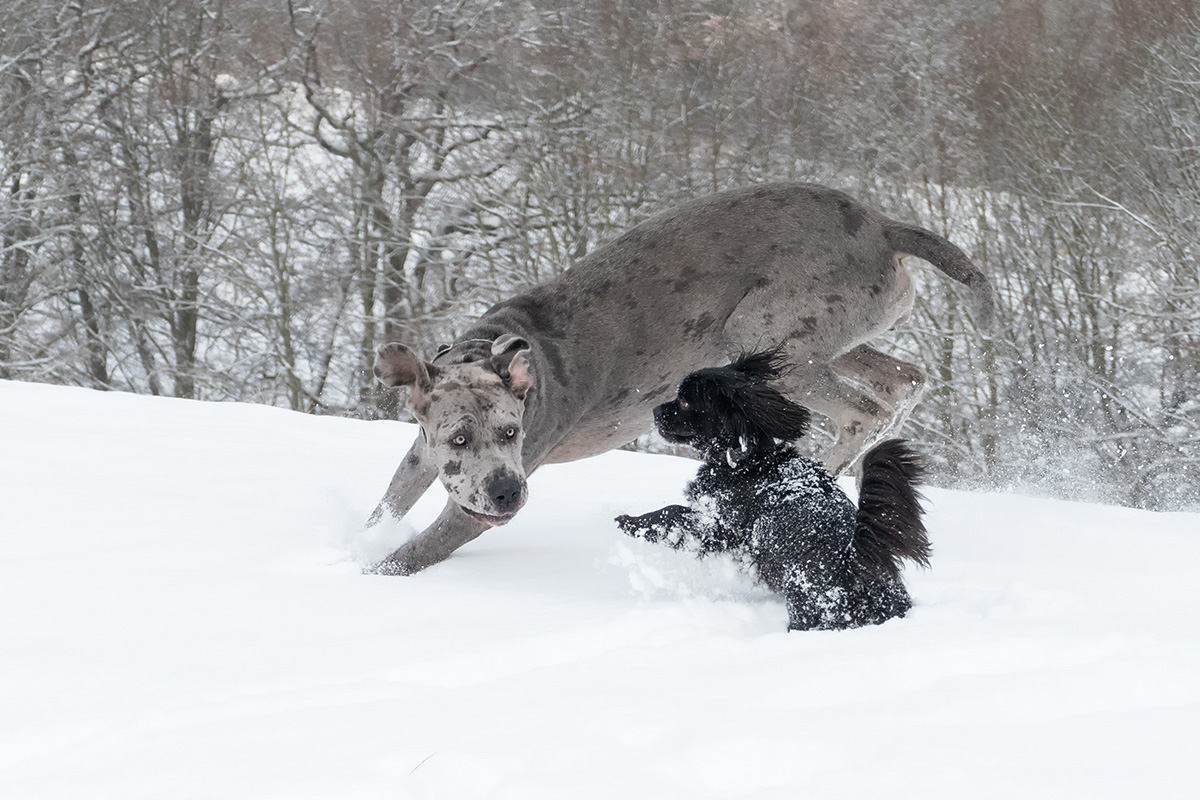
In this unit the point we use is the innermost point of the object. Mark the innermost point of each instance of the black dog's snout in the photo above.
(669, 422)
(506, 493)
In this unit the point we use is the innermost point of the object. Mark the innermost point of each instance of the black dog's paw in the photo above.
(628, 524)
(638, 528)
(670, 524)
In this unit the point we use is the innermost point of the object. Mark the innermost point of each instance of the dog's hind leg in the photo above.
(861, 418)
(450, 531)
(414, 475)
(895, 383)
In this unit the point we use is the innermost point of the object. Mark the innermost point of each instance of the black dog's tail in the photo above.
(889, 509)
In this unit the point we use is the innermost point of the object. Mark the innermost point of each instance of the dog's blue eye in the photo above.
(459, 441)
(510, 432)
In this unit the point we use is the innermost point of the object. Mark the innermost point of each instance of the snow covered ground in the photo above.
(183, 615)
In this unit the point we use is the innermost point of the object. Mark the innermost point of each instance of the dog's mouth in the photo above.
(676, 435)
(495, 520)
(670, 426)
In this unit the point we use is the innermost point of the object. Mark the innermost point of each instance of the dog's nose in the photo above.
(506, 493)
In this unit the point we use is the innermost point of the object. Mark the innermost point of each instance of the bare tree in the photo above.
(222, 200)
(401, 94)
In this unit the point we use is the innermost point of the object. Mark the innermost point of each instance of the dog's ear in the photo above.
(763, 366)
(396, 365)
(766, 413)
(510, 359)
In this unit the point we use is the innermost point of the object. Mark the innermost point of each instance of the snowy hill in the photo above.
(183, 615)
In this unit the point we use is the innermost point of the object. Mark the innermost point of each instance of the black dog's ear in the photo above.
(763, 366)
(766, 413)
(762, 410)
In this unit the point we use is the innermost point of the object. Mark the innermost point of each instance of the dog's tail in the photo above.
(889, 509)
(911, 240)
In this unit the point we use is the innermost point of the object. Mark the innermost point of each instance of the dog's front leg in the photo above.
(414, 475)
(450, 531)
(670, 525)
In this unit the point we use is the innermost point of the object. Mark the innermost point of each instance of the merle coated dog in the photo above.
(755, 496)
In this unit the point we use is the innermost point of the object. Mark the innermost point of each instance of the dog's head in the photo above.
(718, 409)
(471, 417)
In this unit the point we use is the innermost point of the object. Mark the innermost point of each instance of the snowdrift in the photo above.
(183, 615)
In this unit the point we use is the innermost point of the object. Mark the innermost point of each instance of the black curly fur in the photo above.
(733, 407)
(835, 566)
(889, 527)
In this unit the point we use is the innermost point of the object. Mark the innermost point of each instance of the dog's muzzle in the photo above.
(494, 520)
(506, 495)
(666, 420)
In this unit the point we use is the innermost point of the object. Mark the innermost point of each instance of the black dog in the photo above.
(756, 496)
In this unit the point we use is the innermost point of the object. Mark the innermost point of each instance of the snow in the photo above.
(183, 615)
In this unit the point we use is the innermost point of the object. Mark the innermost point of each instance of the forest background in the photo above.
(228, 200)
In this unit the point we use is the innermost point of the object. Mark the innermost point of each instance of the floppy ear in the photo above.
(763, 366)
(767, 413)
(510, 359)
(396, 365)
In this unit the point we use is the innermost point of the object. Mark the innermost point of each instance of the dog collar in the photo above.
(443, 349)
(734, 456)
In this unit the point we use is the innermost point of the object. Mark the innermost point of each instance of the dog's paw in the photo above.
(638, 528)
(387, 567)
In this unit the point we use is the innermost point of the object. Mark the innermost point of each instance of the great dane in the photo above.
(575, 367)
